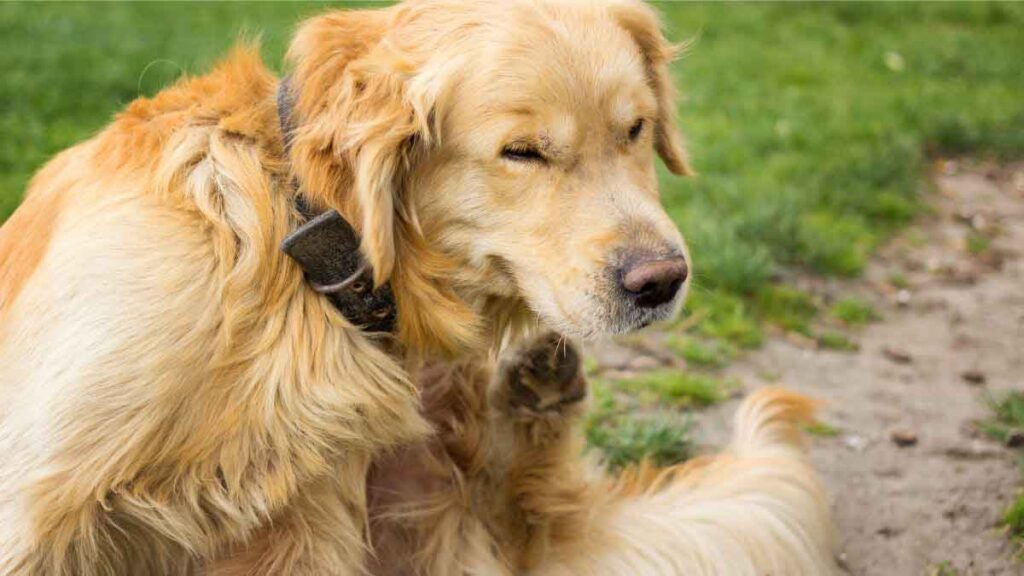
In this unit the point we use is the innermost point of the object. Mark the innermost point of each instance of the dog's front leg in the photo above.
(537, 397)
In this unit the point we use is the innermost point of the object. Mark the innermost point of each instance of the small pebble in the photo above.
(903, 438)
(973, 376)
(903, 298)
(855, 442)
(897, 355)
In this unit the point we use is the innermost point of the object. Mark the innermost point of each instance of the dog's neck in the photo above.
(326, 247)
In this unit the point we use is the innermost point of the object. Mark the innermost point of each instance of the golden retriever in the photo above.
(175, 398)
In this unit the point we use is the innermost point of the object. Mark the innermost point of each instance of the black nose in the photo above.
(653, 282)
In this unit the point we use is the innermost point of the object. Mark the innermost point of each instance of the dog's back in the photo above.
(146, 317)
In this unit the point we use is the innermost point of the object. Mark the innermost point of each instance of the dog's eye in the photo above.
(521, 153)
(636, 129)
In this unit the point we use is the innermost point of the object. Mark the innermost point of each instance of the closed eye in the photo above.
(522, 153)
(636, 129)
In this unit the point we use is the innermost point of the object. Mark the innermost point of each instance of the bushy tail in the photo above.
(755, 509)
(771, 419)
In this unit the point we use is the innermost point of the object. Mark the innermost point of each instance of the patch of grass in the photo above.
(708, 353)
(898, 280)
(822, 430)
(1013, 522)
(786, 307)
(1007, 426)
(836, 341)
(835, 244)
(978, 243)
(1008, 417)
(944, 568)
(678, 388)
(726, 317)
(854, 312)
(625, 440)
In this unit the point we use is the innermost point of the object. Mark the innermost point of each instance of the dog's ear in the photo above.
(368, 93)
(643, 24)
(357, 124)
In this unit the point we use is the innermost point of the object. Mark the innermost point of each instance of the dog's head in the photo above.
(498, 152)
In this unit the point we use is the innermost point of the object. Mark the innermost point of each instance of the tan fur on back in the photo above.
(174, 399)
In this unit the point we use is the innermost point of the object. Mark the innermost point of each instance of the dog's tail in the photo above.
(769, 420)
(755, 509)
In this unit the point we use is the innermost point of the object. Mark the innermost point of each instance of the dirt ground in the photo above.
(906, 511)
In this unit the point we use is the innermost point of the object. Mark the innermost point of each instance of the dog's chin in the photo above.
(609, 321)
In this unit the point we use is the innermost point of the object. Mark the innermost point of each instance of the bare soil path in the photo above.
(950, 335)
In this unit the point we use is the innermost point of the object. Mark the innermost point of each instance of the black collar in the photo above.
(326, 247)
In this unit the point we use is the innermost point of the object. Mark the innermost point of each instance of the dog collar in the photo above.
(326, 247)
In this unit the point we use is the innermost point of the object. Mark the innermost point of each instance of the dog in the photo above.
(179, 396)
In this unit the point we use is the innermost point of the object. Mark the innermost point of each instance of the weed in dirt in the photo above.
(708, 353)
(1013, 522)
(822, 429)
(624, 440)
(1007, 426)
(786, 307)
(1007, 422)
(836, 341)
(944, 568)
(854, 312)
(978, 243)
(725, 317)
(677, 388)
(898, 280)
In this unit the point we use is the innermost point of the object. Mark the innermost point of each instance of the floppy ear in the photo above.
(356, 124)
(643, 24)
(366, 104)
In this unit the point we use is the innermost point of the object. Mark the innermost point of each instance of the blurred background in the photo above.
(837, 146)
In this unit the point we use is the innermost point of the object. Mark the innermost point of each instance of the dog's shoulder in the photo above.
(236, 99)
(208, 147)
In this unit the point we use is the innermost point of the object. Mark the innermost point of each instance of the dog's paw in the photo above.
(544, 376)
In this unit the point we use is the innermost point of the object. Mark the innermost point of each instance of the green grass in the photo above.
(1013, 521)
(1007, 425)
(625, 440)
(1008, 417)
(822, 430)
(726, 317)
(786, 307)
(854, 312)
(677, 388)
(898, 280)
(836, 341)
(978, 243)
(626, 435)
(944, 568)
(708, 353)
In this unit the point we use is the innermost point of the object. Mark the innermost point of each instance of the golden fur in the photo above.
(175, 400)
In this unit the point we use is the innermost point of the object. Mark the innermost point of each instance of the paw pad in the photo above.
(546, 376)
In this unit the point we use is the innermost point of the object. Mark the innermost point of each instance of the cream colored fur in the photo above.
(175, 400)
